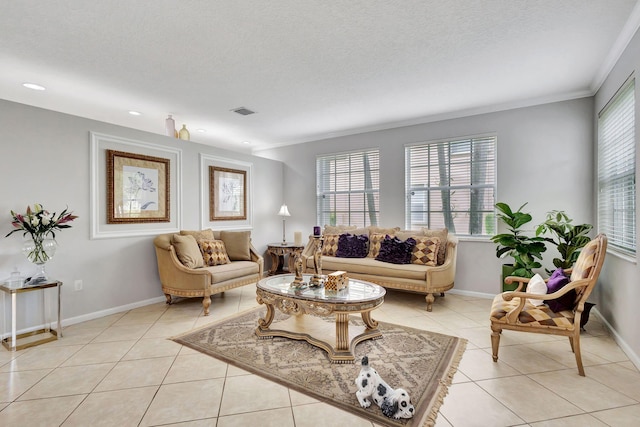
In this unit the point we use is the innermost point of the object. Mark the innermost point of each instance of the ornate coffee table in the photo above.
(339, 339)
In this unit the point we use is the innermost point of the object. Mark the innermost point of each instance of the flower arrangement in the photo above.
(39, 222)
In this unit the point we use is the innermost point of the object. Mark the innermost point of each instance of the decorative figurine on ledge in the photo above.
(316, 280)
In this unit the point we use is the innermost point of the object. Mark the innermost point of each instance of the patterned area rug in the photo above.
(421, 362)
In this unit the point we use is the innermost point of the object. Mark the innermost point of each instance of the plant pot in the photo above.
(507, 270)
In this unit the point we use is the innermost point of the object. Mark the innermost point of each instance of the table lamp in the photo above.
(284, 212)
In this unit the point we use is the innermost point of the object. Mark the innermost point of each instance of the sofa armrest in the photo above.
(174, 274)
(445, 274)
(256, 257)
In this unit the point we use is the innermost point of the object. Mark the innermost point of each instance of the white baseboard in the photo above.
(633, 357)
(102, 313)
(471, 293)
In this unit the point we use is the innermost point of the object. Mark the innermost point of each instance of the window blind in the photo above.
(617, 170)
(452, 184)
(348, 187)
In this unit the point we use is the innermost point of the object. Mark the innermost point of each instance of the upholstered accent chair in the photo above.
(513, 311)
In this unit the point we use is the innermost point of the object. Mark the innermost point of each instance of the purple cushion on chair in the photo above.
(556, 282)
(352, 246)
(396, 251)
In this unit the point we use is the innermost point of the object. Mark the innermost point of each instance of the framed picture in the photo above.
(137, 188)
(227, 194)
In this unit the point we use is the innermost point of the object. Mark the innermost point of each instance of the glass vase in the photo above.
(39, 250)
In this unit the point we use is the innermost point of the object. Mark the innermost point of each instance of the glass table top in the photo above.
(357, 291)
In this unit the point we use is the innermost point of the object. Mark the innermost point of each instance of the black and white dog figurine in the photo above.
(394, 403)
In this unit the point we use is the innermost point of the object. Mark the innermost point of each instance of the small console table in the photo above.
(278, 252)
(40, 336)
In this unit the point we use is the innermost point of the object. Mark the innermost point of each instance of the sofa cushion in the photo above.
(425, 250)
(199, 234)
(213, 252)
(330, 244)
(375, 240)
(352, 246)
(443, 235)
(338, 229)
(187, 251)
(237, 244)
(370, 266)
(396, 251)
(233, 270)
(379, 230)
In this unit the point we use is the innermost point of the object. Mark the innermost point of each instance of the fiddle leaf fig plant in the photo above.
(569, 239)
(525, 250)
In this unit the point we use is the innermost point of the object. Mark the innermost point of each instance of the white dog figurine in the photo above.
(394, 403)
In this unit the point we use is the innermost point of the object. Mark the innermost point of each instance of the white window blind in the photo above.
(617, 170)
(348, 186)
(452, 184)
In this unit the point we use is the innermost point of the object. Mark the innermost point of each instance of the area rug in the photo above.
(421, 362)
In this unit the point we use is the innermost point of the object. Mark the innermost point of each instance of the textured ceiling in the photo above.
(310, 69)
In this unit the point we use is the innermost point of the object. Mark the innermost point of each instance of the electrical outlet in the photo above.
(78, 285)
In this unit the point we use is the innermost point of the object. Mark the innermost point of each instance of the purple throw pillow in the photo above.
(556, 282)
(352, 246)
(396, 251)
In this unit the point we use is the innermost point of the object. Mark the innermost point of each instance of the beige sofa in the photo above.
(424, 279)
(184, 272)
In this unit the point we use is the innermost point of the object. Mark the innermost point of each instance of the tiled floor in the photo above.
(121, 370)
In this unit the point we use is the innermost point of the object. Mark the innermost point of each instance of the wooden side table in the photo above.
(47, 333)
(278, 252)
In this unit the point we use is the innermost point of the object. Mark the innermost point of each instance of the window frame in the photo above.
(616, 172)
(370, 195)
(410, 188)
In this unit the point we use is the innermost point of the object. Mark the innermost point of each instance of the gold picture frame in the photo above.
(227, 194)
(137, 188)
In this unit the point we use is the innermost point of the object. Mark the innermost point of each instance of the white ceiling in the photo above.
(311, 69)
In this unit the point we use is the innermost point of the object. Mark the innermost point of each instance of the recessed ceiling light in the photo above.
(135, 113)
(201, 130)
(33, 86)
(246, 142)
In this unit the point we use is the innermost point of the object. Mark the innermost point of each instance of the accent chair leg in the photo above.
(206, 303)
(575, 344)
(168, 297)
(430, 299)
(495, 341)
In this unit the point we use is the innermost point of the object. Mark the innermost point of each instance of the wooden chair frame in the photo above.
(583, 287)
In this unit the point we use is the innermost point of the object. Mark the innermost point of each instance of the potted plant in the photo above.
(567, 238)
(525, 250)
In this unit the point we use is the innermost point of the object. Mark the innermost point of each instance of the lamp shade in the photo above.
(284, 211)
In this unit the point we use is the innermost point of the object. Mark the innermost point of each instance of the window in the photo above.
(348, 188)
(617, 170)
(452, 184)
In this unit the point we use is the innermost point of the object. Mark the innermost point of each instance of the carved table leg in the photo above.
(366, 318)
(275, 261)
(263, 324)
(342, 331)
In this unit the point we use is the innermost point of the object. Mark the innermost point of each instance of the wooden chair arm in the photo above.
(521, 280)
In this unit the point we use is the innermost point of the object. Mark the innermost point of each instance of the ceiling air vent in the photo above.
(243, 111)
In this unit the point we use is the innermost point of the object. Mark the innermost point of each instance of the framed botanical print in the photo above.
(227, 194)
(137, 188)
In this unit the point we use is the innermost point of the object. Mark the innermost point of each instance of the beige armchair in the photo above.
(512, 311)
(180, 280)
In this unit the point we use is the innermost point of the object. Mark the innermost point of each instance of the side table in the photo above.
(278, 252)
(47, 333)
